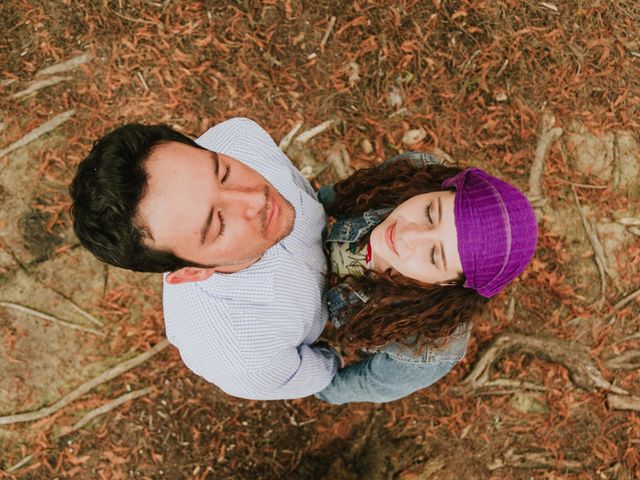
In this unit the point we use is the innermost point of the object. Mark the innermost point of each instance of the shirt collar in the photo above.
(254, 284)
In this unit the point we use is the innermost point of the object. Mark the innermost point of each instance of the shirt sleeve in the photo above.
(241, 353)
(293, 373)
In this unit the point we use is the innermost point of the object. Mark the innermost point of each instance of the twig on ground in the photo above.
(572, 356)
(536, 460)
(629, 221)
(547, 136)
(623, 402)
(581, 185)
(632, 224)
(36, 133)
(502, 67)
(504, 386)
(142, 81)
(62, 295)
(317, 130)
(70, 64)
(550, 6)
(624, 361)
(630, 337)
(323, 42)
(134, 20)
(339, 158)
(401, 111)
(85, 387)
(51, 318)
(107, 407)
(286, 140)
(621, 304)
(40, 84)
(84, 313)
(361, 442)
(595, 244)
(20, 464)
(511, 309)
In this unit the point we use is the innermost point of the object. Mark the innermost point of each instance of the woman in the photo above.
(416, 250)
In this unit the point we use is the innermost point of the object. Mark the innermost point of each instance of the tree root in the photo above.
(286, 140)
(39, 85)
(85, 387)
(50, 318)
(36, 133)
(107, 407)
(622, 303)
(70, 64)
(574, 357)
(304, 137)
(598, 250)
(536, 460)
(547, 136)
(624, 361)
(623, 402)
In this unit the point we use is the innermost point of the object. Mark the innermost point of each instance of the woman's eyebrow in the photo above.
(440, 211)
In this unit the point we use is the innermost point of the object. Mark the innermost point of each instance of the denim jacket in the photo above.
(353, 229)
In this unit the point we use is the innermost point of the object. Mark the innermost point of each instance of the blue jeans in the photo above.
(382, 378)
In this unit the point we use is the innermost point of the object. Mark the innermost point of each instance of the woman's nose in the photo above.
(415, 236)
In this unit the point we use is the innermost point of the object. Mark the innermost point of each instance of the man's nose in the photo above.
(247, 202)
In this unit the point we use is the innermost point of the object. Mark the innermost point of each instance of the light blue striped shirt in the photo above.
(250, 333)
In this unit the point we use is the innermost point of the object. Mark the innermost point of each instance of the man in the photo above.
(237, 231)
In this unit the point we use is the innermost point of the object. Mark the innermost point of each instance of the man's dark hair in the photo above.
(106, 191)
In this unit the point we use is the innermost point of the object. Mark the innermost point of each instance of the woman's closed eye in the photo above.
(428, 212)
(432, 256)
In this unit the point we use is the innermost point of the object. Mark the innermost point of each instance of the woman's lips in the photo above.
(390, 237)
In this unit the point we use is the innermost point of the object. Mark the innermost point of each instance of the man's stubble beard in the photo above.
(263, 220)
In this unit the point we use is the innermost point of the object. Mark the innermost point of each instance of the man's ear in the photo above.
(189, 274)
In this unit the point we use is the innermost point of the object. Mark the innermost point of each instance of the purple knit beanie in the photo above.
(496, 227)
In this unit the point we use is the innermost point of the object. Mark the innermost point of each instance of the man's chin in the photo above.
(289, 225)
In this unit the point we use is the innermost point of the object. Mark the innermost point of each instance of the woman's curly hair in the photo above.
(399, 309)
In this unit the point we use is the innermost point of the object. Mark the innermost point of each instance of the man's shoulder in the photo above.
(237, 126)
(190, 301)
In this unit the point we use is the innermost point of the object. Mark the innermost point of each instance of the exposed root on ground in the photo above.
(621, 304)
(574, 357)
(628, 360)
(536, 460)
(547, 136)
(85, 387)
(36, 133)
(51, 318)
(623, 402)
(598, 250)
(107, 407)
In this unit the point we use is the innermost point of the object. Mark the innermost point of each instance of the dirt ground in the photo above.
(484, 82)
